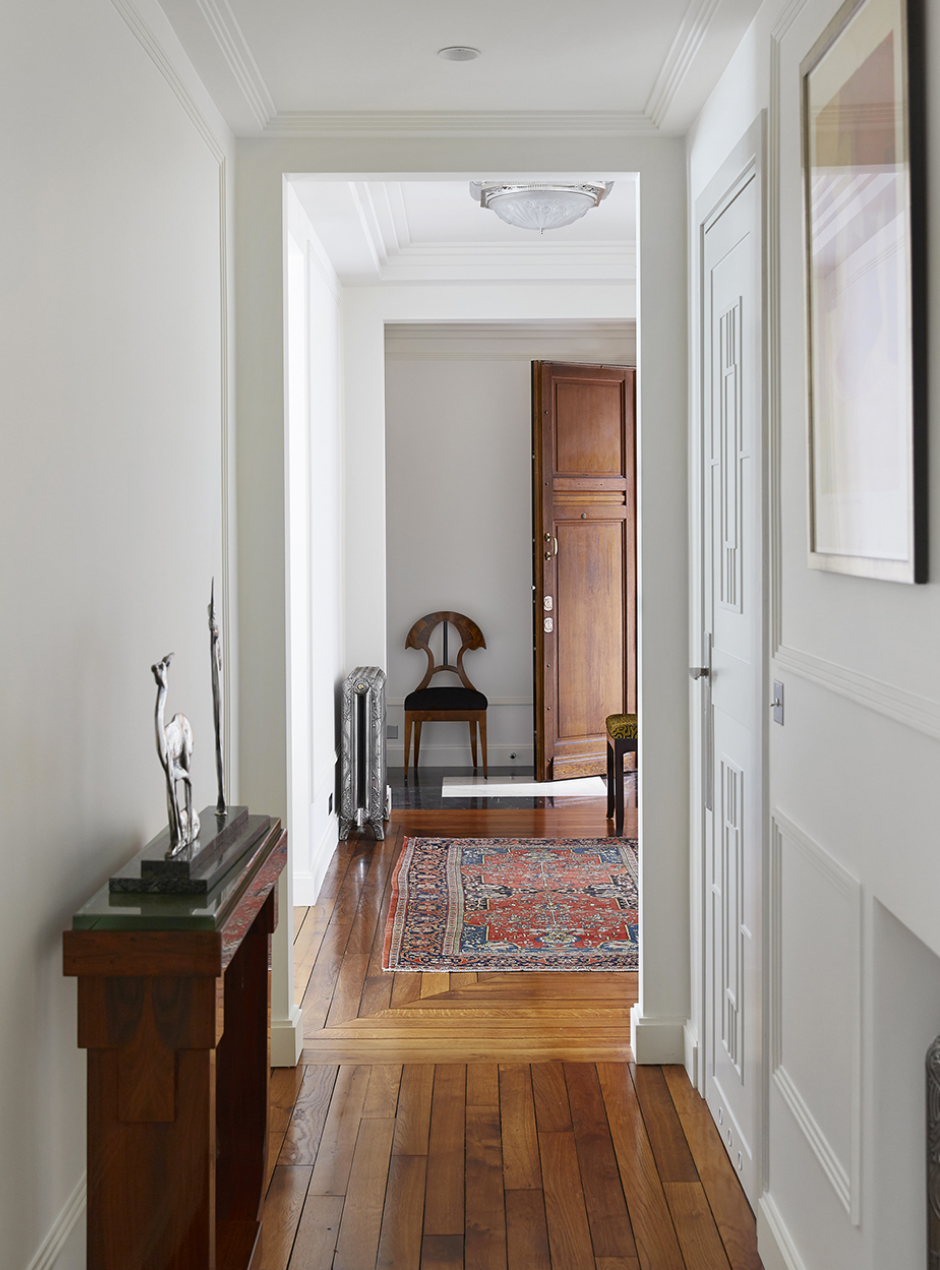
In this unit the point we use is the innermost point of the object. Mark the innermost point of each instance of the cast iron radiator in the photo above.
(363, 797)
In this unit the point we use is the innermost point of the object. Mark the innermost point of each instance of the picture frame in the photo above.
(864, 214)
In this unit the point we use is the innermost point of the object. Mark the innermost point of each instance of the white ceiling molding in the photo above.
(238, 57)
(681, 55)
(393, 259)
(479, 123)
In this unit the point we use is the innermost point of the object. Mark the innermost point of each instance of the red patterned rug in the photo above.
(513, 904)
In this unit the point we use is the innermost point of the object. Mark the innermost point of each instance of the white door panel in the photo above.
(732, 617)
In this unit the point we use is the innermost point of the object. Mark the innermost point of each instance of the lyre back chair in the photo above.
(461, 703)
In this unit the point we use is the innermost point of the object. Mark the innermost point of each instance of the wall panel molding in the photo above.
(844, 1178)
(919, 713)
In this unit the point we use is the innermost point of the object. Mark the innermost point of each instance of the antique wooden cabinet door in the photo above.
(584, 514)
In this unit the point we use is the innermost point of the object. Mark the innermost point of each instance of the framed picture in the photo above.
(864, 214)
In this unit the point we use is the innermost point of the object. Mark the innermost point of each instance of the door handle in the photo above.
(699, 672)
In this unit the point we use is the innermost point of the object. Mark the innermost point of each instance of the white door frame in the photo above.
(746, 160)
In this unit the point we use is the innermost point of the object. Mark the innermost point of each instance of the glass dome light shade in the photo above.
(541, 206)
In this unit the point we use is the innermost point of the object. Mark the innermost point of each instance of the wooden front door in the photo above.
(584, 518)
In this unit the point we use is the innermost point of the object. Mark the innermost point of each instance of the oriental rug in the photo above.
(513, 904)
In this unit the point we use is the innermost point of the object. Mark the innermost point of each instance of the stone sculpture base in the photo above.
(197, 868)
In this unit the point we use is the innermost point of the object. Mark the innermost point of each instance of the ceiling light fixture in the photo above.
(458, 53)
(540, 205)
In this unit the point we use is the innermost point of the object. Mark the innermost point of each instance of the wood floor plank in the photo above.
(442, 1252)
(281, 1216)
(400, 1242)
(413, 1122)
(444, 1205)
(282, 1094)
(406, 988)
(526, 1231)
(422, 1049)
(361, 1224)
(382, 1096)
(727, 1200)
(611, 1232)
(569, 1235)
(695, 1226)
(552, 1113)
(315, 1244)
(673, 1157)
(338, 1143)
(462, 978)
(352, 977)
(308, 942)
(302, 1140)
(521, 1167)
(483, 1085)
(319, 994)
(485, 1238)
(616, 1263)
(434, 983)
(275, 1141)
(653, 1231)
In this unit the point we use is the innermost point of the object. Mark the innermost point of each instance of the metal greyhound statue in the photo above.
(215, 653)
(175, 748)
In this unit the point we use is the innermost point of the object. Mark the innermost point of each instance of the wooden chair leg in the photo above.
(483, 740)
(473, 742)
(618, 788)
(610, 779)
(417, 742)
(407, 738)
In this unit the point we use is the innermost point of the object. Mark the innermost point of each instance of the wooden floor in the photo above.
(481, 1121)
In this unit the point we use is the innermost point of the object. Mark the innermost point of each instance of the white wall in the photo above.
(854, 797)
(113, 494)
(459, 536)
(314, 525)
(459, 511)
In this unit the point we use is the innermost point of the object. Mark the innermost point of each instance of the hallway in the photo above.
(493, 1121)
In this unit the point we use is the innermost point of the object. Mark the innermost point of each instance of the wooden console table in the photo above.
(174, 1010)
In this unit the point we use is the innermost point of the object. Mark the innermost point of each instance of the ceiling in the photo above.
(433, 231)
(548, 67)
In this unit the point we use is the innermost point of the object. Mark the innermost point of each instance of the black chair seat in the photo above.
(445, 699)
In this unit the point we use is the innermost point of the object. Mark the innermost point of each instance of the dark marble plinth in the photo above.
(198, 867)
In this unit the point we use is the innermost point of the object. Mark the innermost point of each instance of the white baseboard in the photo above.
(497, 754)
(287, 1039)
(50, 1248)
(774, 1245)
(656, 1040)
(690, 1042)
(307, 883)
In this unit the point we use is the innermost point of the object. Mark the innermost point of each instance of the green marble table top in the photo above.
(110, 910)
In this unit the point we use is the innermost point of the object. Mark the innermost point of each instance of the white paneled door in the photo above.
(732, 696)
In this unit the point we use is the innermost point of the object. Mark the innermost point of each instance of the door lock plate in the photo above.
(548, 625)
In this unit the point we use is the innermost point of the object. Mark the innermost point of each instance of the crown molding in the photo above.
(682, 53)
(238, 57)
(478, 123)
